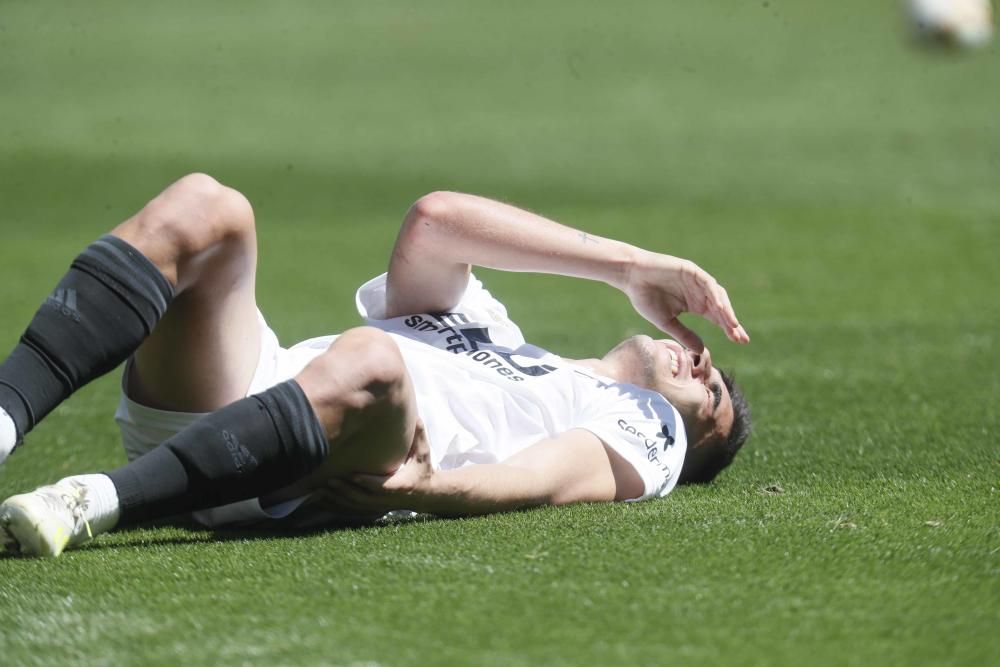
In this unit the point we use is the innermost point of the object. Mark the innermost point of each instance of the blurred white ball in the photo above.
(964, 23)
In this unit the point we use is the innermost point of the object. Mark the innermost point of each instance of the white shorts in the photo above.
(143, 428)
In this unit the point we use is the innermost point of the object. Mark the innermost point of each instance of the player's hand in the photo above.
(408, 488)
(662, 287)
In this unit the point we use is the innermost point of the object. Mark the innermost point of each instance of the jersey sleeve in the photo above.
(476, 308)
(643, 428)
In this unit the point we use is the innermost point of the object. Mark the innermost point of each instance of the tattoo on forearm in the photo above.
(584, 238)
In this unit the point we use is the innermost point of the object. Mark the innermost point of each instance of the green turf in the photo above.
(843, 185)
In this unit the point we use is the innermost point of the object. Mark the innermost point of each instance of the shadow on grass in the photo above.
(297, 525)
(302, 523)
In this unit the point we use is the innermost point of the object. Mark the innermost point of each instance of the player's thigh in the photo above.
(204, 352)
(202, 355)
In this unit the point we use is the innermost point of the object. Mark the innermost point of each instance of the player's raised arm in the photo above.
(446, 233)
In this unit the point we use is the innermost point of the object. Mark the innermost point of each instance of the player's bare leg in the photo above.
(192, 247)
(177, 278)
(203, 353)
(351, 410)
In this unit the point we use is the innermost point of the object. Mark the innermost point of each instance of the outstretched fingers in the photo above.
(721, 312)
(711, 301)
(704, 296)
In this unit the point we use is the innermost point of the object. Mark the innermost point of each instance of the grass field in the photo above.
(842, 184)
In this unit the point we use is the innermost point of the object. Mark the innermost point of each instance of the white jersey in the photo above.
(485, 394)
(482, 392)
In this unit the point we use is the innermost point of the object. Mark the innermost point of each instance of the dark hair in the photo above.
(707, 466)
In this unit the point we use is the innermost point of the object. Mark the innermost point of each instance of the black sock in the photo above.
(99, 313)
(249, 448)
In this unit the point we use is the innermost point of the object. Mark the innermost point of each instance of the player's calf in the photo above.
(106, 304)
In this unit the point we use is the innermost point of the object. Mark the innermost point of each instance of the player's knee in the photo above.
(377, 359)
(197, 213)
(362, 368)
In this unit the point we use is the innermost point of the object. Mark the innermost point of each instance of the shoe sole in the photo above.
(30, 529)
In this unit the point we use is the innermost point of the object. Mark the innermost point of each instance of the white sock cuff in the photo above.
(8, 435)
(102, 510)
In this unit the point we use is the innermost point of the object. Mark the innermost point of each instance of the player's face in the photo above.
(687, 380)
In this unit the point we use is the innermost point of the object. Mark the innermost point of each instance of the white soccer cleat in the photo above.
(45, 521)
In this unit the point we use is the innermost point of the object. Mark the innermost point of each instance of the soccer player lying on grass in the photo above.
(437, 405)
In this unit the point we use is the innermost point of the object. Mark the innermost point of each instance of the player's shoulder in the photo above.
(615, 390)
(629, 408)
(641, 425)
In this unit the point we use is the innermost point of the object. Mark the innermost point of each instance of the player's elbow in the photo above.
(434, 206)
(424, 230)
(427, 216)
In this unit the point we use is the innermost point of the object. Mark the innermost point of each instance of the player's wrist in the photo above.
(440, 494)
(638, 267)
(627, 259)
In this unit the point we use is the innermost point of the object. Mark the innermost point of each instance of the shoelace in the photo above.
(77, 502)
(82, 502)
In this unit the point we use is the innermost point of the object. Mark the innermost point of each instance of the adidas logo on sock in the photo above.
(64, 300)
(242, 458)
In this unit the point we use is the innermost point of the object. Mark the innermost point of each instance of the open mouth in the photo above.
(675, 366)
(679, 358)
